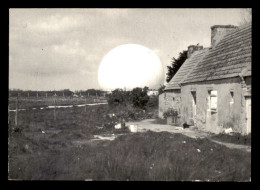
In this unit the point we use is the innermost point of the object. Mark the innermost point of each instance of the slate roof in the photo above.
(186, 68)
(229, 58)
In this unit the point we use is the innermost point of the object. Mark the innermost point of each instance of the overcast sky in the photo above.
(62, 48)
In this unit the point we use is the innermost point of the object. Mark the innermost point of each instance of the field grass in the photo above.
(235, 138)
(33, 102)
(44, 149)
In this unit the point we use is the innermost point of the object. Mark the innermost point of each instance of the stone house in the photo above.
(216, 92)
(171, 97)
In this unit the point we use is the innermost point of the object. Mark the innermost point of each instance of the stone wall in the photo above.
(169, 99)
(227, 114)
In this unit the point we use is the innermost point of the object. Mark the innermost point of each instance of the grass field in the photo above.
(44, 149)
(235, 138)
(33, 102)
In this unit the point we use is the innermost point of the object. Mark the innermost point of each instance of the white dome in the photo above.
(129, 66)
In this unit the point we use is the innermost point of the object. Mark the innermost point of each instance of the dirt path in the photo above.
(149, 124)
(233, 146)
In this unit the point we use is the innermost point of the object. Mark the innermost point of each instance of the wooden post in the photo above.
(54, 112)
(85, 104)
(37, 94)
(88, 94)
(16, 113)
(46, 94)
(28, 94)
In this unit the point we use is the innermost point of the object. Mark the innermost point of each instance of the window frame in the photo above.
(209, 100)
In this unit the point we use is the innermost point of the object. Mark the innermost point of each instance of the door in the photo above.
(248, 114)
(194, 106)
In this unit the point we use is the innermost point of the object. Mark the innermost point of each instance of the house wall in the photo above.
(227, 114)
(166, 101)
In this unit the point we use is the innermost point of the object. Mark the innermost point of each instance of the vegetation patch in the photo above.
(235, 138)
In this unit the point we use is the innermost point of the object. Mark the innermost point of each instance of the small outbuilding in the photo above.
(171, 96)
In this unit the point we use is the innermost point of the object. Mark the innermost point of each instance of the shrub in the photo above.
(139, 97)
(153, 102)
(170, 112)
(118, 97)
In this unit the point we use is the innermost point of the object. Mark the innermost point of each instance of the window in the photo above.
(212, 100)
(231, 98)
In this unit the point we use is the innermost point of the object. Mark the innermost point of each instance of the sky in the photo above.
(55, 49)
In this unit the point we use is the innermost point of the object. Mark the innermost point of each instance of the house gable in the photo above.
(186, 68)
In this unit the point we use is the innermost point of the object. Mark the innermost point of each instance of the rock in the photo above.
(133, 128)
(178, 128)
(229, 130)
(118, 126)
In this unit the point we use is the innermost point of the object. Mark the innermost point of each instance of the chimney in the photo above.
(193, 48)
(218, 32)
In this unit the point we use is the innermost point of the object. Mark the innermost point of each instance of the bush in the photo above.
(153, 102)
(139, 97)
(170, 112)
(118, 97)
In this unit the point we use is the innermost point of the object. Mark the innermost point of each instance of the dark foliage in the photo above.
(153, 102)
(139, 97)
(118, 97)
(175, 65)
(160, 90)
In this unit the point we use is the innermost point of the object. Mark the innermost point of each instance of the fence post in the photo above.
(54, 112)
(85, 104)
(16, 113)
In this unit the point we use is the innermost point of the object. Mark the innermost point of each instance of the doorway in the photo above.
(194, 104)
(248, 114)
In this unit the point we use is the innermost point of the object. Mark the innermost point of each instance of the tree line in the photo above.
(137, 97)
